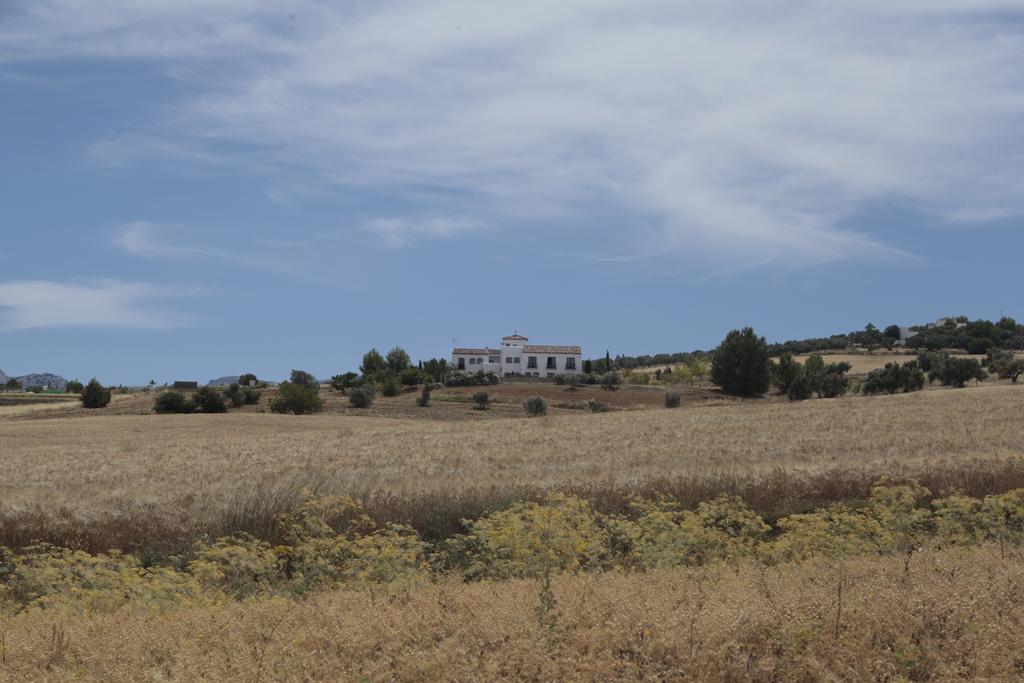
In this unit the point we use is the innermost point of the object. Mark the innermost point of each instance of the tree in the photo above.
(784, 371)
(411, 376)
(172, 402)
(892, 332)
(73, 386)
(436, 369)
(209, 400)
(248, 379)
(740, 365)
(955, 372)
(239, 395)
(610, 381)
(304, 378)
(95, 395)
(12, 385)
(398, 360)
(1004, 364)
(362, 397)
(389, 387)
(588, 367)
(297, 399)
(894, 378)
(372, 363)
(801, 388)
(344, 381)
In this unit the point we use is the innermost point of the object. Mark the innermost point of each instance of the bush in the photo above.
(672, 399)
(1003, 364)
(410, 377)
(784, 371)
(303, 378)
(209, 400)
(344, 381)
(482, 400)
(477, 379)
(297, 399)
(535, 405)
(239, 396)
(390, 387)
(610, 381)
(598, 407)
(95, 395)
(894, 378)
(559, 379)
(956, 372)
(248, 380)
(397, 360)
(362, 397)
(424, 400)
(740, 365)
(173, 402)
(800, 387)
(74, 387)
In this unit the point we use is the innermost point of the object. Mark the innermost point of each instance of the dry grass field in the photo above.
(957, 614)
(191, 471)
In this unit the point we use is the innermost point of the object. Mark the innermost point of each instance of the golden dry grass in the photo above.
(956, 615)
(863, 363)
(193, 464)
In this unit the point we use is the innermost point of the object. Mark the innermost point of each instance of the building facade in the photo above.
(516, 356)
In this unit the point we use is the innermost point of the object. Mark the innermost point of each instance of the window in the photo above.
(479, 361)
(570, 363)
(472, 361)
(462, 364)
(494, 359)
(508, 359)
(517, 360)
(531, 361)
(552, 365)
(551, 374)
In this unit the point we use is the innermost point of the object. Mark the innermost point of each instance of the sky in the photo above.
(196, 189)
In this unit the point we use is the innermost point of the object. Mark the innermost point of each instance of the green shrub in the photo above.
(476, 379)
(390, 387)
(833, 385)
(955, 372)
(344, 381)
(1003, 364)
(800, 388)
(424, 400)
(535, 405)
(74, 387)
(173, 402)
(248, 379)
(784, 371)
(894, 378)
(410, 377)
(598, 407)
(559, 379)
(209, 400)
(297, 399)
(672, 399)
(610, 380)
(740, 365)
(482, 400)
(362, 397)
(397, 360)
(303, 378)
(34, 389)
(95, 395)
(242, 396)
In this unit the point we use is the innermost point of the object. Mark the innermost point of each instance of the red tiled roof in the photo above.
(517, 337)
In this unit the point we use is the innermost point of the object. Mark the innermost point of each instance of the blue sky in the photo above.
(196, 189)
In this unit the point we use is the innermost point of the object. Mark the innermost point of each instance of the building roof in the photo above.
(515, 337)
(540, 348)
(476, 352)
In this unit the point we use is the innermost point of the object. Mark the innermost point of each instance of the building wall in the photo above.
(510, 350)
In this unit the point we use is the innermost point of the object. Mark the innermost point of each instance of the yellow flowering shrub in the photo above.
(240, 565)
(47, 577)
(665, 536)
(561, 534)
(333, 543)
(834, 532)
(1004, 516)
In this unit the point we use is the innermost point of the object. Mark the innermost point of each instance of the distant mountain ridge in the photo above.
(38, 379)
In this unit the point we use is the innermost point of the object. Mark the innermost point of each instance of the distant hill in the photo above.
(42, 379)
(224, 381)
(3, 378)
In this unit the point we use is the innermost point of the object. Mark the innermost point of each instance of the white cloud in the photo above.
(33, 304)
(737, 133)
(402, 232)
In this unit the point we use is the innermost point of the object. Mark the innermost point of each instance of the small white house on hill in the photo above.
(515, 356)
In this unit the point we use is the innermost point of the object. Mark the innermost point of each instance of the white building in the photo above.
(516, 357)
